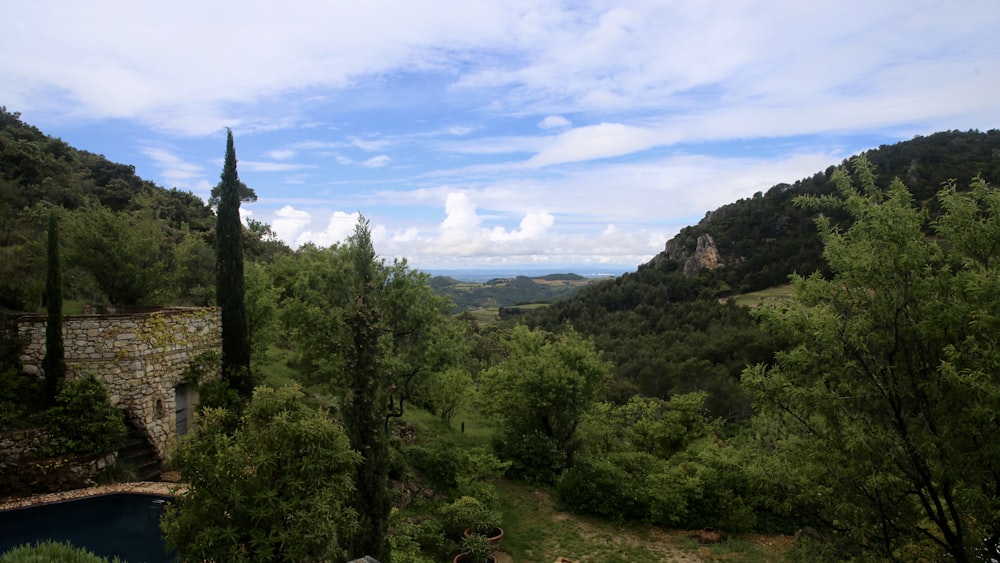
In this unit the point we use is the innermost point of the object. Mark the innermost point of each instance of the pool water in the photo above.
(124, 525)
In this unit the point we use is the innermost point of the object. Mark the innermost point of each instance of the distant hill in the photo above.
(755, 243)
(505, 292)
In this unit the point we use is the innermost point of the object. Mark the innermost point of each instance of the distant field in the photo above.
(483, 299)
(758, 298)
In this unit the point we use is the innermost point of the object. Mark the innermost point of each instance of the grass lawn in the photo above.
(536, 531)
(758, 298)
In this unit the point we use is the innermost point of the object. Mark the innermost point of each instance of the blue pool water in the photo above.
(124, 525)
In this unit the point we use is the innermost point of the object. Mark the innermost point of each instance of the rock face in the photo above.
(705, 256)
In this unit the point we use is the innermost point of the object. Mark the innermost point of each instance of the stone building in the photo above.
(144, 358)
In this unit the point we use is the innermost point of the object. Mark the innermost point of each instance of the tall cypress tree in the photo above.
(229, 286)
(366, 403)
(54, 363)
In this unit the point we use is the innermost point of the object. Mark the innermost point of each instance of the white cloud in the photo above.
(376, 161)
(288, 223)
(554, 121)
(474, 99)
(263, 166)
(172, 166)
(280, 154)
(595, 141)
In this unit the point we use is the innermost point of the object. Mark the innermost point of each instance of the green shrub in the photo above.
(417, 540)
(439, 466)
(84, 421)
(533, 456)
(51, 552)
(21, 396)
(468, 512)
(601, 487)
(452, 470)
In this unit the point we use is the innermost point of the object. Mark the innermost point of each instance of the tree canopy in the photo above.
(538, 394)
(277, 489)
(881, 413)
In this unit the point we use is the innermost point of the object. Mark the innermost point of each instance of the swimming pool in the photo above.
(125, 525)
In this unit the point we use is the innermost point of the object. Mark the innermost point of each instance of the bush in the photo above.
(533, 456)
(451, 470)
(468, 512)
(275, 489)
(84, 421)
(440, 466)
(603, 487)
(21, 396)
(417, 540)
(51, 552)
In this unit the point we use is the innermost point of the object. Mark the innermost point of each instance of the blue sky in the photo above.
(495, 134)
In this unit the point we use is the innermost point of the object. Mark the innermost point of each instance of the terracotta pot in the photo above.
(494, 539)
(467, 558)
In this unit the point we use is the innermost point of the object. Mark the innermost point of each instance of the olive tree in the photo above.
(538, 395)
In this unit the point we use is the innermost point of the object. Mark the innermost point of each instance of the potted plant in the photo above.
(476, 548)
(469, 514)
(486, 522)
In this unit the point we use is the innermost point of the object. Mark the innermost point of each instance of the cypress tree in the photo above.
(229, 285)
(54, 363)
(367, 400)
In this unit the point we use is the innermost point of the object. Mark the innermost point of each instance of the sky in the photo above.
(496, 133)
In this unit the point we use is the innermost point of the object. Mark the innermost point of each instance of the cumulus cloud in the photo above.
(288, 223)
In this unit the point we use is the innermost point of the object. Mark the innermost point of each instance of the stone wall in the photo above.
(143, 358)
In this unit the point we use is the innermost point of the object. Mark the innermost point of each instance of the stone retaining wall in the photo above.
(143, 358)
(19, 444)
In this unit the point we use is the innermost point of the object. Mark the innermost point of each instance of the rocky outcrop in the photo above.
(705, 256)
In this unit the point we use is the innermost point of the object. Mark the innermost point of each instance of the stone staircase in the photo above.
(140, 455)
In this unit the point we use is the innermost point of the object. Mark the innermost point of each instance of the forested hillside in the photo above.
(663, 327)
(504, 292)
(127, 241)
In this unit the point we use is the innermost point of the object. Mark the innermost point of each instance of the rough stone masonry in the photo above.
(144, 359)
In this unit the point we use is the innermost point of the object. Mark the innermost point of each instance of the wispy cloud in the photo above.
(499, 129)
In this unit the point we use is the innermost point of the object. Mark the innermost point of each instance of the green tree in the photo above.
(647, 424)
(276, 489)
(192, 276)
(125, 253)
(261, 309)
(367, 396)
(881, 415)
(54, 363)
(229, 286)
(371, 334)
(539, 394)
(447, 390)
(83, 420)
